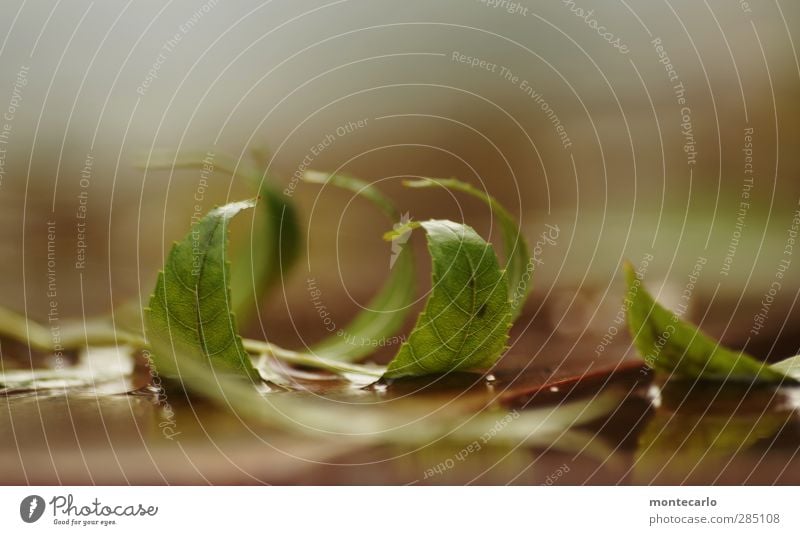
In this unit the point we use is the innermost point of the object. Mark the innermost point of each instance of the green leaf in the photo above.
(274, 246)
(386, 313)
(272, 251)
(514, 245)
(466, 319)
(672, 346)
(189, 314)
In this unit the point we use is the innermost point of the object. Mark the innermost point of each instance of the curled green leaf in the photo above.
(274, 246)
(386, 313)
(673, 346)
(465, 323)
(519, 268)
(189, 316)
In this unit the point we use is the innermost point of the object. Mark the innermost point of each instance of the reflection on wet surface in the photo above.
(628, 429)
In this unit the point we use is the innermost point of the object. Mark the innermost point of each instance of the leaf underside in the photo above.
(514, 245)
(465, 323)
(189, 315)
(673, 346)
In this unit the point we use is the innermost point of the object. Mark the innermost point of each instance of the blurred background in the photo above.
(634, 127)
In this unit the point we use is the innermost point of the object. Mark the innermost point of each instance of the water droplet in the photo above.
(654, 393)
(491, 378)
(380, 386)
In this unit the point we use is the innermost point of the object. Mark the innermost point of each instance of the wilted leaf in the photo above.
(466, 319)
(514, 244)
(274, 246)
(189, 315)
(670, 345)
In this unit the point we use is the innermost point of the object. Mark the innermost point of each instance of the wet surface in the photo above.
(117, 430)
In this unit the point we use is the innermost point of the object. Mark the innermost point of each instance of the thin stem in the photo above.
(99, 332)
(72, 335)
